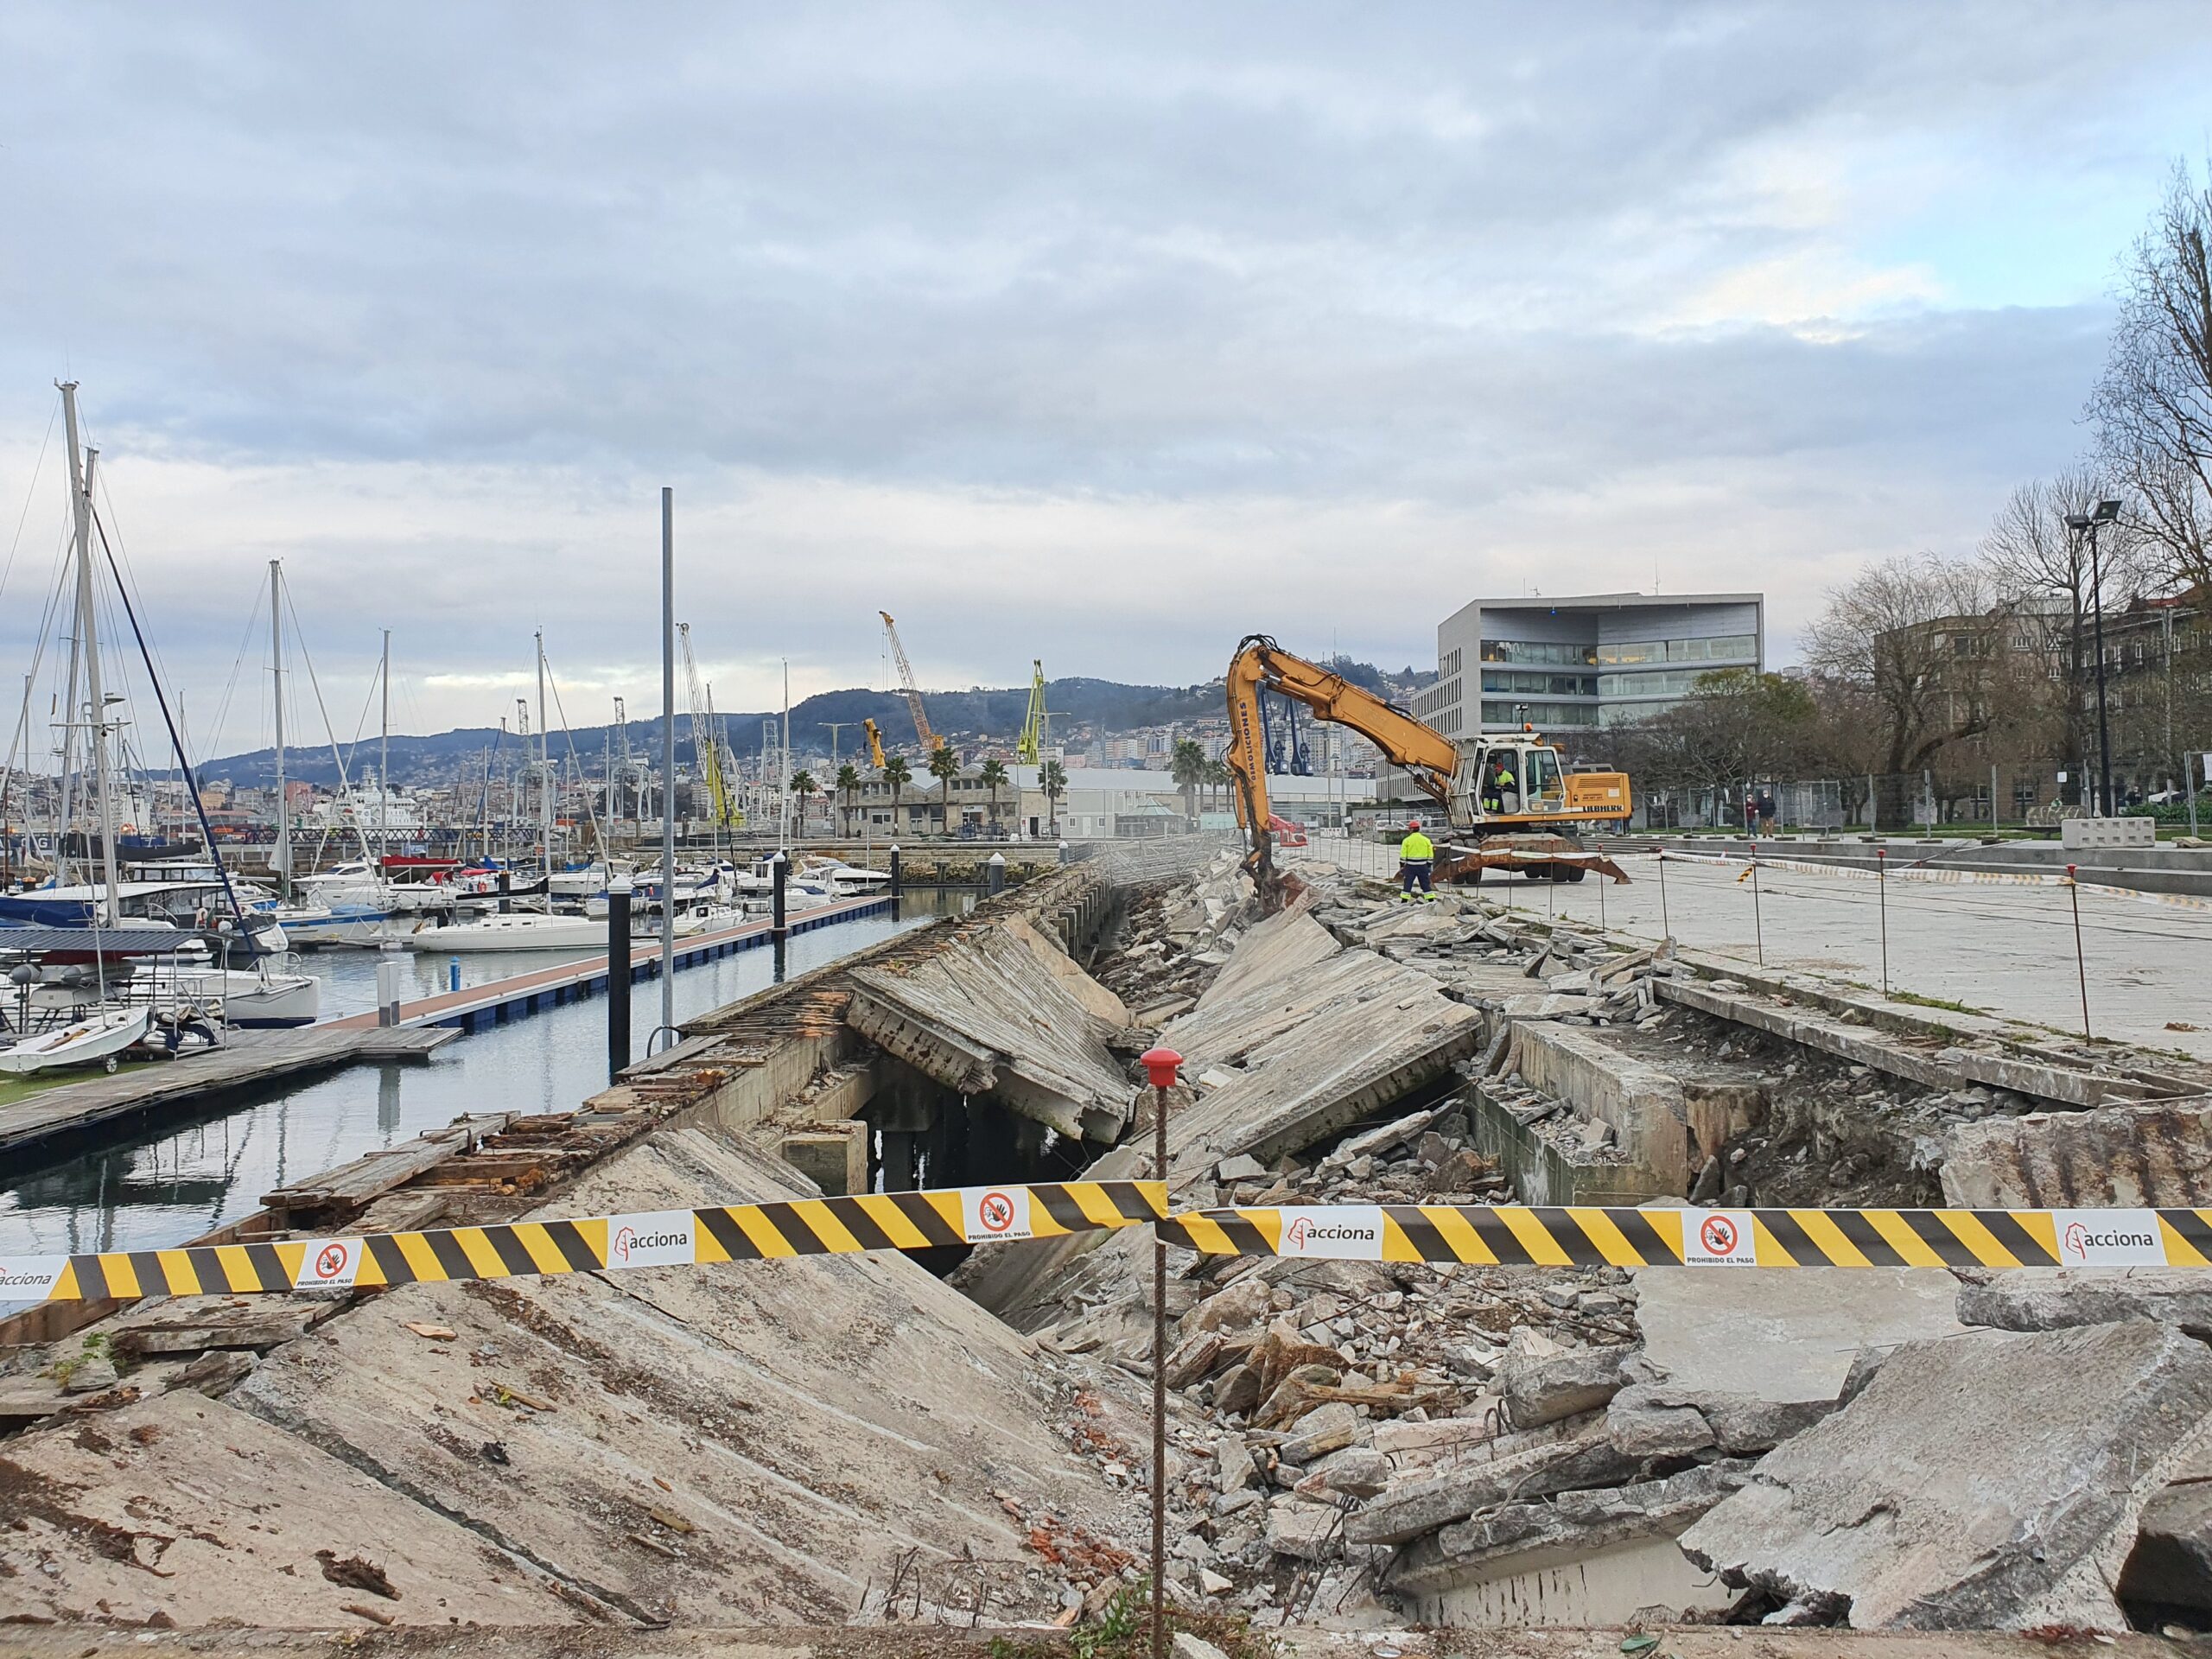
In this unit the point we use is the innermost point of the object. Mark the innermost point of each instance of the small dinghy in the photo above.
(95, 1041)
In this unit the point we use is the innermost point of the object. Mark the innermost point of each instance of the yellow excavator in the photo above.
(1526, 823)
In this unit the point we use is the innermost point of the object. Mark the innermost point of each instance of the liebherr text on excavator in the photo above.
(1526, 823)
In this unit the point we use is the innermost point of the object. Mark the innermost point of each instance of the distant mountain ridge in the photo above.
(978, 713)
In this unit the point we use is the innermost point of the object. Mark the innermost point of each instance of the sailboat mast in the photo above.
(384, 759)
(784, 784)
(80, 476)
(277, 679)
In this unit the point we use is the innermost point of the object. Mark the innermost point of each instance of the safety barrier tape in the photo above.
(838, 1226)
(1501, 1235)
(1911, 873)
(1536, 1236)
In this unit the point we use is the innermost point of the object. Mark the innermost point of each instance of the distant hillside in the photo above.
(979, 713)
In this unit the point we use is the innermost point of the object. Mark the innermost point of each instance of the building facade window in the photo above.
(1726, 648)
(1538, 651)
(1555, 685)
(1539, 713)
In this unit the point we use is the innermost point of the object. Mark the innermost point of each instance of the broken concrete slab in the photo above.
(1530, 1464)
(2124, 1156)
(1441, 1570)
(1644, 1106)
(2171, 1563)
(1752, 1351)
(991, 1019)
(2056, 1298)
(1991, 1481)
(775, 1432)
(183, 1509)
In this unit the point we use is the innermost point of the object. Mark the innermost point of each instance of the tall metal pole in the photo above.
(277, 679)
(383, 758)
(668, 759)
(545, 777)
(2104, 724)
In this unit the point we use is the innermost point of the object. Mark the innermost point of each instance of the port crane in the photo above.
(706, 741)
(1528, 827)
(1030, 746)
(874, 743)
(913, 691)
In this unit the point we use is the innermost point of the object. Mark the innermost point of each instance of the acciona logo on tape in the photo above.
(2108, 1238)
(1346, 1232)
(1718, 1238)
(653, 1238)
(30, 1278)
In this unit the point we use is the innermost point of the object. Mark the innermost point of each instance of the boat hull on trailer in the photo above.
(95, 1041)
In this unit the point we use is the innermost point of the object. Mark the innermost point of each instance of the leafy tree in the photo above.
(848, 784)
(1052, 778)
(944, 766)
(993, 779)
(898, 774)
(805, 788)
(1187, 766)
(1218, 778)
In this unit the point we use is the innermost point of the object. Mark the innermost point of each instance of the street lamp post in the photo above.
(2087, 524)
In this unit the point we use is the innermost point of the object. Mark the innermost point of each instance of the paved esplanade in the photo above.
(2002, 948)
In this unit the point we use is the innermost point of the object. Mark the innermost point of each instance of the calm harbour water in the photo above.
(155, 1190)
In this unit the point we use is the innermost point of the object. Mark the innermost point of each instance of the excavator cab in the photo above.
(1510, 779)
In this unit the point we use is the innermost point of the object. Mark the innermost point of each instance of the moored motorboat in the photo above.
(97, 1039)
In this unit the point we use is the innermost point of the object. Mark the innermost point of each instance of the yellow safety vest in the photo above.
(1416, 848)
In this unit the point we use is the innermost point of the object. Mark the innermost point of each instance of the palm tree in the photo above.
(1052, 778)
(1187, 766)
(898, 774)
(803, 786)
(1218, 778)
(993, 779)
(848, 784)
(944, 766)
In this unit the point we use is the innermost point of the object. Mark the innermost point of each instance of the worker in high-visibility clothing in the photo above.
(1416, 864)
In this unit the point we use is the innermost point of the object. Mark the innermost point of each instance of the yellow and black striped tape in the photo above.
(748, 1232)
(1578, 1237)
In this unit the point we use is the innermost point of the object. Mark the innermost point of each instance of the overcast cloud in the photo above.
(1101, 335)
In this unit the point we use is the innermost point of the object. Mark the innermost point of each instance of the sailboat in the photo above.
(261, 994)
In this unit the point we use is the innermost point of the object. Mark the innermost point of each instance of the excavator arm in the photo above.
(1260, 665)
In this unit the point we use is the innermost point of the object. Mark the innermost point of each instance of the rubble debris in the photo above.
(2056, 1298)
(1543, 1381)
(1993, 1480)
(2128, 1156)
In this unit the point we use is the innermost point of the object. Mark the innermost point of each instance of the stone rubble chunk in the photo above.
(1307, 1532)
(1641, 1423)
(1543, 1381)
(1533, 1465)
(1995, 1480)
(2054, 1299)
(1325, 1429)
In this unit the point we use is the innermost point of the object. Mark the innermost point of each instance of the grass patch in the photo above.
(15, 1089)
(1920, 1001)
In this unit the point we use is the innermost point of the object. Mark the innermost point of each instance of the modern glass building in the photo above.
(1597, 659)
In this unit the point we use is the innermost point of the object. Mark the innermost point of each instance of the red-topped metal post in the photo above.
(1160, 1065)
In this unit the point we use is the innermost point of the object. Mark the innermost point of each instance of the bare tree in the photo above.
(1914, 635)
(2043, 571)
(2153, 405)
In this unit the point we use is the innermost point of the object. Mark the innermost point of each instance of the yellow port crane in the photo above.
(874, 743)
(906, 681)
(1031, 745)
(706, 741)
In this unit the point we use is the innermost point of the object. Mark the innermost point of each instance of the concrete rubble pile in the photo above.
(1362, 1444)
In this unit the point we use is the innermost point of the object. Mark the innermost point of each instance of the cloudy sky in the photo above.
(1101, 334)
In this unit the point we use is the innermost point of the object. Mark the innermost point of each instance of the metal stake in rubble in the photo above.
(1160, 1065)
(1882, 887)
(1758, 927)
(2081, 968)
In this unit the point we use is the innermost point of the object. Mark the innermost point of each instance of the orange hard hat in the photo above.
(1413, 824)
